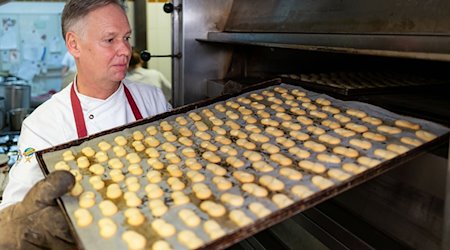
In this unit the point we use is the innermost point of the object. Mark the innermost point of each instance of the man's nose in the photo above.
(124, 48)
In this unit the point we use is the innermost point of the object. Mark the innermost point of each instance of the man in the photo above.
(97, 34)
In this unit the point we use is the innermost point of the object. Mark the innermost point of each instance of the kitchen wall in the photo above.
(31, 46)
(158, 38)
(159, 35)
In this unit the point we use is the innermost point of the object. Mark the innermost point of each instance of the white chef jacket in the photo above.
(153, 77)
(53, 123)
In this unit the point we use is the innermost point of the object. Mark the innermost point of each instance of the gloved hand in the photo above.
(37, 222)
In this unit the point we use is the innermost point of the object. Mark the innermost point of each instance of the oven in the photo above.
(392, 54)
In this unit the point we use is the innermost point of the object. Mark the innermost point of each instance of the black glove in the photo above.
(37, 222)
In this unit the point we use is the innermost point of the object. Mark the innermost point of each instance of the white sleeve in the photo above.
(26, 171)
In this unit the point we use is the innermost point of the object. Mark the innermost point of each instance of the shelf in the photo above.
(429, 47)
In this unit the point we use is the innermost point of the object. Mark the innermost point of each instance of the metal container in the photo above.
(17, 95)
(16, 117)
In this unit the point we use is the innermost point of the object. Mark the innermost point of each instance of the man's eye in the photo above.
(127, 38)
(109, 40)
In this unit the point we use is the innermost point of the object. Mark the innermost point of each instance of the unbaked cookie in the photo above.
(320, 182)
(323, 101)
(107, 227)
(232, 199)
(291, 174)
(163, 228)
(83, 217)
(331, 109)
(286, 142)
(189, 218)
(407, 124)
(341, 118)
(346, 151)
(385, 154)
(361, 143)
(330, 124)
(329, 139)
(281, 159)
(212, 208)
(316, 167)
(356, 113)
(157, 207)
(300, 153)
(259, 209)
(372, 120)
(353, 168)
(338, 174)
(243, 177)
(411, 141)
(107, 208)
(399, 149)
(240, 218)
(344, 132)
(374, 136)
(134, 216)
(222, 183)
(328, 158)
(255, 189)
(314, 146)
(425, 135)
(304, 120)
(134, 240)
(201, 191)
(270, 148)
(301, 191)
(389, 129)
(356, 127)
(281, 200)
(271, 183)
(368, 162)
(262, 166)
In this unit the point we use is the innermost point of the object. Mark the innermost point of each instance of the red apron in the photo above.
(78, 112)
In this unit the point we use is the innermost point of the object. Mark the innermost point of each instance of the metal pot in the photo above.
(17, 95)
(16, 117)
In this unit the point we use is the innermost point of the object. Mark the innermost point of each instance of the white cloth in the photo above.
(53, 123)
(69, 62)
(153, 77)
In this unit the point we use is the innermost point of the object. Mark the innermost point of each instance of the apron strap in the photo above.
(134, 107)
(78, 112)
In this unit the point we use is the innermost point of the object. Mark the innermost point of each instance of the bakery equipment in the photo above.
(17, 95)
(17, 116)
(232, 41)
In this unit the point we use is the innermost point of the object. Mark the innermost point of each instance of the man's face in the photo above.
(104, 45)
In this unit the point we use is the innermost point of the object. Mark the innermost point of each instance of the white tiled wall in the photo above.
(159, 42)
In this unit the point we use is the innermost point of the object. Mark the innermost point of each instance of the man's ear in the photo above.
(73, 44)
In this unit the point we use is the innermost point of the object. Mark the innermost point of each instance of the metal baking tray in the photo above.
(87, 239)
(358, 83)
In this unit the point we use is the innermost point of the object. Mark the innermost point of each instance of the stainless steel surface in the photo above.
(16, 117)
(430, 47)
(345, 16)
(199, 62)
(177, 63)
(287, 36)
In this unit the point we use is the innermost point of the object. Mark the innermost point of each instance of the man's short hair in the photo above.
(75, 10)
